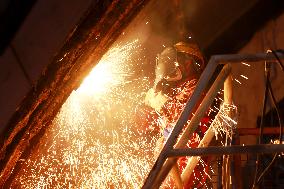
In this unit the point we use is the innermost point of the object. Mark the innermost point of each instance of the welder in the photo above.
(177, 71)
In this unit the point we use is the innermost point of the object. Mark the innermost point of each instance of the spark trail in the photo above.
(93, 142)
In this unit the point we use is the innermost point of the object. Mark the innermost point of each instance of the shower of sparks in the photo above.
(246, 64)
(238, 81)
(225, 121)
(245, 77)
(94, 141)
(111, 71)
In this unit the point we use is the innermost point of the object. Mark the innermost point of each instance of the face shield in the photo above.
(175, 64)
(167, 66)
(190, 52)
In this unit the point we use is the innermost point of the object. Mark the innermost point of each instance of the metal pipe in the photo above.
(237, 58)
(255, 131)
(175, 172)
(228, 90)
(218, 150)
(193, 161)
(228, 99)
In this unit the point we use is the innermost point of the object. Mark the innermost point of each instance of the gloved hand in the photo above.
(163, 86)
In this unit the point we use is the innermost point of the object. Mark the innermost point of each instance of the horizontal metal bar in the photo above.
(237, 58)
(220, 150)
(255, 131)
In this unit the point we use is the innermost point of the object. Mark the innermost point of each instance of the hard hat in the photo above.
(192, 50)
(172, 59)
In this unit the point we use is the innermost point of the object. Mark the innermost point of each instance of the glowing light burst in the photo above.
(94, 142)
(110, 72)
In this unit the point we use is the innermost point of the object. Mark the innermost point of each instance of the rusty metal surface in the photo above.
(102, 24)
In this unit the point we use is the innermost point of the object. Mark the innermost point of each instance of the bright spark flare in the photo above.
(110, 72)
(238, 81)
(94, 142)
(246, 64)
(245, 77)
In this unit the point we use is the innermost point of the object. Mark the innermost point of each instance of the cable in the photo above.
(267, 75)
(277, 111)
(268, 87)
(278, 59)
(280, 136)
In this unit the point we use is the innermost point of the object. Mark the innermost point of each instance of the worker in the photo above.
(177, 71)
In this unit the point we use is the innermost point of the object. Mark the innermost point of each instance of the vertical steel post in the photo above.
(228, 99)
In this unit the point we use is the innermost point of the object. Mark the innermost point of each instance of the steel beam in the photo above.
(255, 131)
(219, 150)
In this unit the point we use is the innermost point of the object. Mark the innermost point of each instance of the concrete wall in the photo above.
(39, 38)
(248, 96)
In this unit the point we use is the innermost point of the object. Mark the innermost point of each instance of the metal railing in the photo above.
(169, 154)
